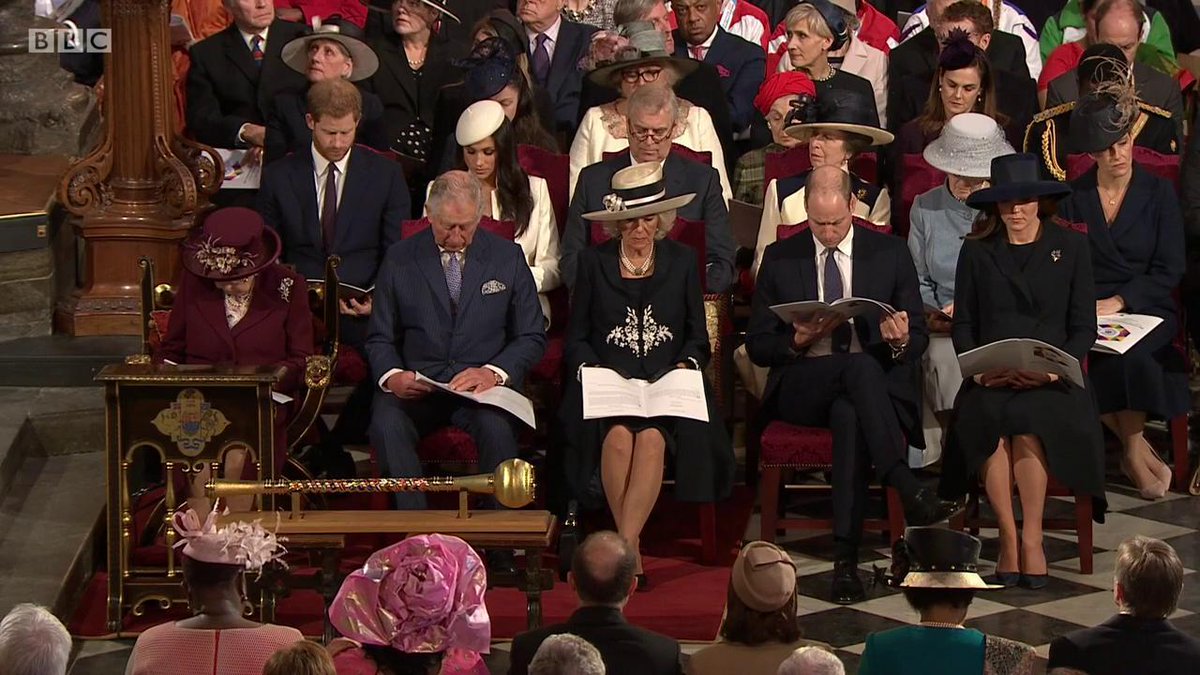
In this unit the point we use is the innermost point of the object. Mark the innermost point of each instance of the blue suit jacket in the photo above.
(742, 67)
(375, 200)
(412, 325)
(565, 80)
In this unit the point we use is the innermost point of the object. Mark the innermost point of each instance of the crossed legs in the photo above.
(1139, 462)
(631, 470)
(1021, 460)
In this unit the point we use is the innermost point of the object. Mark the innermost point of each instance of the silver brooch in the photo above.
(285, 288)
(1056, 255)
(613, 203)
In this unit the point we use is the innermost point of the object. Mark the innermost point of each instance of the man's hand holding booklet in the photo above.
(847, 308)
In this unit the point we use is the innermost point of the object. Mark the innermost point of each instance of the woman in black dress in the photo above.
(1135, 229)
(1023, 275)
(638, 310)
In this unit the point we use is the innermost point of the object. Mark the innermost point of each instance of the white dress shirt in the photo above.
(551, 34)
(247, 37)
(320, 168)
(706, 45)
(843, 255)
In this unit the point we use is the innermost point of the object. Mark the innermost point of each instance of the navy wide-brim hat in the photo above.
(1017, 177)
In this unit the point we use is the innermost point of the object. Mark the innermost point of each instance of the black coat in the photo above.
(287, 129)
(1046, 136)
(884, 271)
(406, 96)
(1052, 299)
(225, 89)
(681, 175)
(624, 647)
(1016, 99)
(564, 82)
(1126, 644)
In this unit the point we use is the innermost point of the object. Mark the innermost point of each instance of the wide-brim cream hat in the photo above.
(366, 62)
(480, 120)
(967, 145)
(637, 191)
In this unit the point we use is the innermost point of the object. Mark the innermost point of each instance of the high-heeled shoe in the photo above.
(1034, 582)
(1162, 471)
(1153, 491)
(1005, 579)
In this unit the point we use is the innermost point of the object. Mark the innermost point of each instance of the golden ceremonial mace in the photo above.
(512, 483)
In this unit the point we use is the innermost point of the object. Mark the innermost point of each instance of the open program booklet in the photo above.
(1118, 333)
(508, 400)
(1021, 354)
(679, 393)
(847, 307)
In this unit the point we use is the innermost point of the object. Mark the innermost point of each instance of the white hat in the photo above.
(968, 143)
(350, 36)
(637, 191)
(480, 120)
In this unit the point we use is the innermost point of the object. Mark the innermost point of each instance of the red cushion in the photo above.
(555, 169)
(785, 444)
(783, 231)
(448, 445)
(505, 229)
(161, 318)
(795, 161)
(702, 156)
(1164, 166)
(350, 368)
(919, 178)
(549, 369)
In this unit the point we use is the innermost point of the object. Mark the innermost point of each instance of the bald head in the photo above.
(827, 199)
(1119, 22)
(602, 569)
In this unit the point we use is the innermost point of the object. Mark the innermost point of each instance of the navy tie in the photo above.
(541, 59)
(834, 290)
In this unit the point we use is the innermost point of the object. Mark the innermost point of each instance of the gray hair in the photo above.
(33, 642)
(811, 661)
(632, 10)
(566, 654)
(651, 100)
(666, 220)
(454, 186)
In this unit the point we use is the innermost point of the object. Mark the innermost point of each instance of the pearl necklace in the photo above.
(814, 78)
(940, 624)
(638, 271)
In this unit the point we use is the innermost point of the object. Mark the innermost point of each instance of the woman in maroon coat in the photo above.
(234, 305)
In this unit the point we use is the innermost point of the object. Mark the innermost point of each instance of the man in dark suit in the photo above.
(602, 575)
(702, 87)
(650, 112)
(912, 64)
(740, 64)
(236, 73)
(1140, 639)
(555, 48)
(456, 305)
(860, 379)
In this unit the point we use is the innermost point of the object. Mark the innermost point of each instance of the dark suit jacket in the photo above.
(374, 202)
(287, 130)
(1126, 644)
(407, 98)
(1153, 86)
(624, 647)
(564, 82)
(682, 176)
(917, 57)
(741, 66)
(702, 88)
(883, 270)
(414, 328)
(226, 90)
(277, 328)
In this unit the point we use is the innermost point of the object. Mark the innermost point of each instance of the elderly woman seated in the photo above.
(637, 309)
(639, 58)
(235, 305)
(935, 569)
(777, 97)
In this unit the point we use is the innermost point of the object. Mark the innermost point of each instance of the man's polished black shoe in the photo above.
(501, 562)
(924, 508)
(847, 586)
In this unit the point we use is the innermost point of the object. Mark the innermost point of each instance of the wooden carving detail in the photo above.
(204, 163)
(85, 190)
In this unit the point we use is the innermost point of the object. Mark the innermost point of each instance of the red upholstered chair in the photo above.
(788, 446)
(794, 161)
(1165, 166)
(555, 169)
(919, 178)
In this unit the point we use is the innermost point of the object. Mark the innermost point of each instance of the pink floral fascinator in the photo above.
(246, 545)
(420, 595)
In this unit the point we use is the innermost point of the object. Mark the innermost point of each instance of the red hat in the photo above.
(232, 243)
(778, 85)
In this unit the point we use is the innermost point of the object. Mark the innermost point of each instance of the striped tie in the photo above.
(256, 51)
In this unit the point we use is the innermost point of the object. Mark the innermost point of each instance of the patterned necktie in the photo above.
(541, 59)
(699, 52)
(454, 278)
(329, 207)
(256, 51)
(834, 290)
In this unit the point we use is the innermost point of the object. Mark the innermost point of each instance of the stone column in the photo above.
(137, 190)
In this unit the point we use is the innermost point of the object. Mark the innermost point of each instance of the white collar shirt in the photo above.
(551, 34)
(844, 258)
(247, 37)
(320, 168)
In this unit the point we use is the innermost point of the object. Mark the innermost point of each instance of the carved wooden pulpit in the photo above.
(190, 417)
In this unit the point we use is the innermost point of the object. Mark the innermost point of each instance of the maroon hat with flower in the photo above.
(232, 243)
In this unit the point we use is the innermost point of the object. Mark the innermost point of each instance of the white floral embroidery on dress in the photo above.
(652, 334)
(285, 288)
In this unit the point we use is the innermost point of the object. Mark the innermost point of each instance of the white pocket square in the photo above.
(494, 286)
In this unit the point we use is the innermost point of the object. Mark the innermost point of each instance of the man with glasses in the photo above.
(652, 112)
(741, 65)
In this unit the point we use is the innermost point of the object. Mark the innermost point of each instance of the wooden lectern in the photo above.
(191, 416)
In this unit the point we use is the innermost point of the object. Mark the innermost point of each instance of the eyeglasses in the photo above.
(646, 75)
(651, 135)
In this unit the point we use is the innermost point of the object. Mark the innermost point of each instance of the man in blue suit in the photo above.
(741, 65)
(555, 48)
(337, 199)
(458, 305)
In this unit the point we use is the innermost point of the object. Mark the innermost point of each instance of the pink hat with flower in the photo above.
(421, 595)
(246, 545)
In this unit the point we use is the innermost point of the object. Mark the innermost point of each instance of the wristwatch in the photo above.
(898, 350)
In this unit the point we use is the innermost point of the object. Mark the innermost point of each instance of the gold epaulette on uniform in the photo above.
(1155, 110)
(1043, 116)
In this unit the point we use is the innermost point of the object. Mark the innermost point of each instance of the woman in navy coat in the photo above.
(1135, 232)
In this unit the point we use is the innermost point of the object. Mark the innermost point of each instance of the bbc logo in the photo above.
(70, 41)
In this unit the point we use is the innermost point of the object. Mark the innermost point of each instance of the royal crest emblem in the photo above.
(191, 422)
